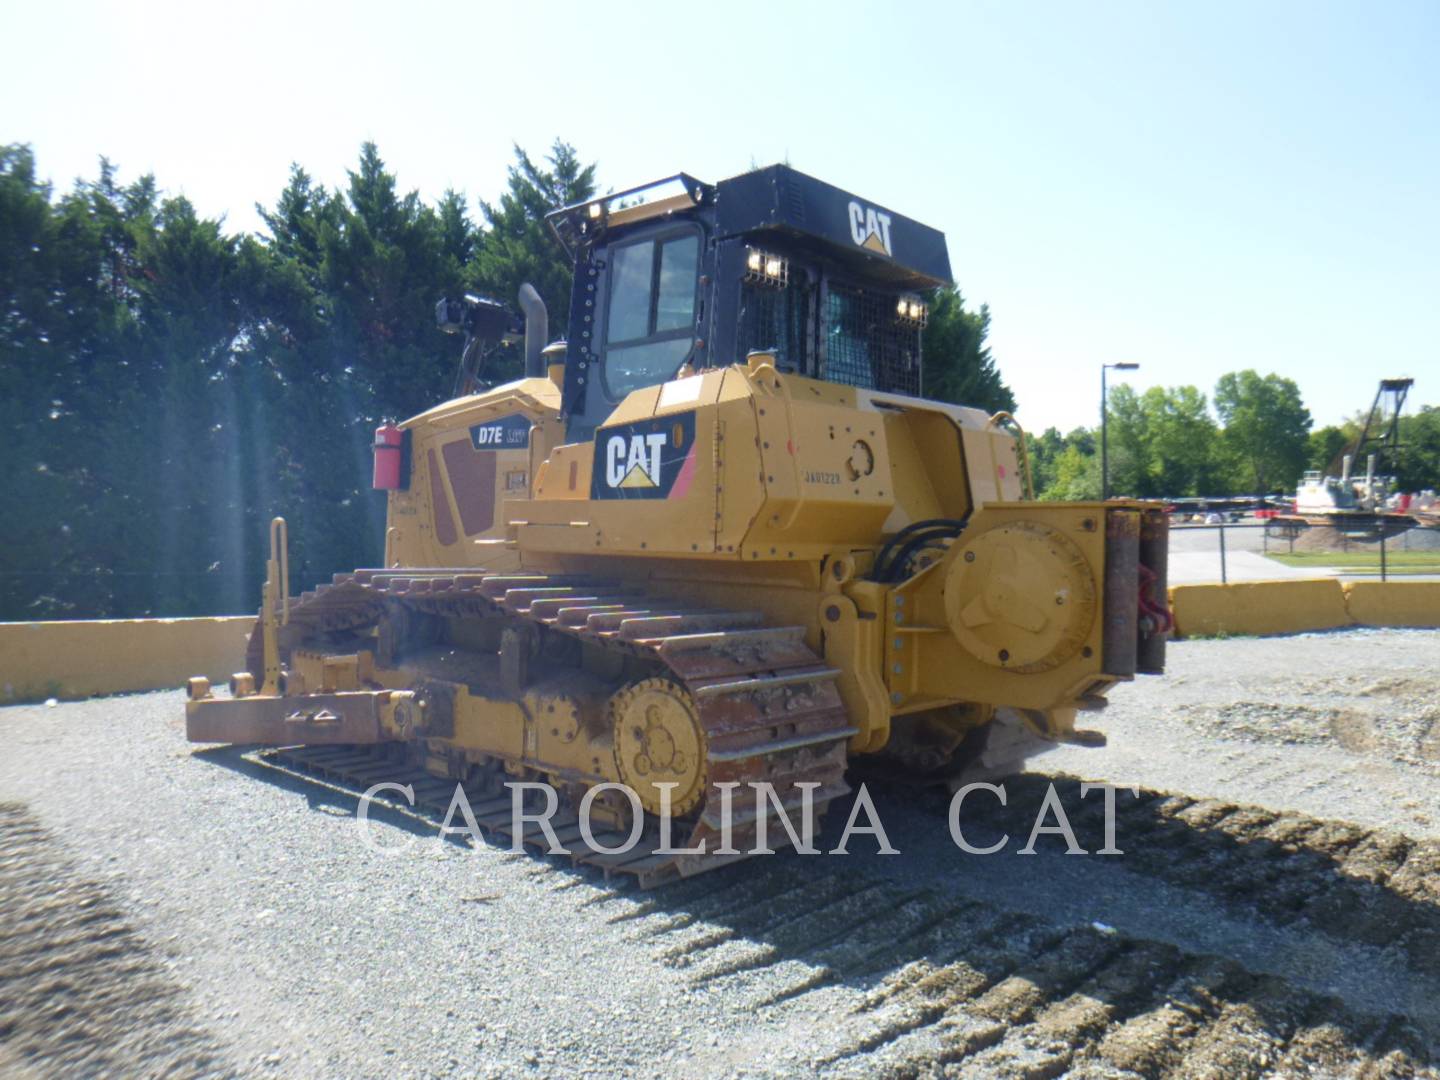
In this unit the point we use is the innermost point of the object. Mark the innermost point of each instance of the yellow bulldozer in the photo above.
(715, 537)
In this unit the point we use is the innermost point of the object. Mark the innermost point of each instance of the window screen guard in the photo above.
(865, 344)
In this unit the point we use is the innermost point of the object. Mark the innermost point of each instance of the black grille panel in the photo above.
(866, 344)
(778, 319)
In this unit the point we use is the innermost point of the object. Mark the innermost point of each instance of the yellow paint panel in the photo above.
(931, 666)
(80, 659)
(1291, 606)
(638, 405)
(993, 466)
(1393, 603)
(825, 470)
(565, 475)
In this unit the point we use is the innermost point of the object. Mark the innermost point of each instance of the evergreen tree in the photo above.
(168, 387)
(516, 245)
(958, 364)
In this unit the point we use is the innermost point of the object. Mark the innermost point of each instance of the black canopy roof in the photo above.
(874, 238)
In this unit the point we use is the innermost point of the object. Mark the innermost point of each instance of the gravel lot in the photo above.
(274, 943)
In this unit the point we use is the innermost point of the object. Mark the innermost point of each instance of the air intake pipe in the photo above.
(537, 331)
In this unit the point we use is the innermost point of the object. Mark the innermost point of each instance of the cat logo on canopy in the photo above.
(870, 228)
(649, 459)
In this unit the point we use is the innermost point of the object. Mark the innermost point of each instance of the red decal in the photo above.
(685, 476)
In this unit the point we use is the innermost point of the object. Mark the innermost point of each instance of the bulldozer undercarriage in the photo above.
(480, 679)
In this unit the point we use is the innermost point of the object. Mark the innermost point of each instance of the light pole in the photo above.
(1104, 426)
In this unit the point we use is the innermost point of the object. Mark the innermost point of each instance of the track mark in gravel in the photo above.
(945, 986)
(80, 991)
(1374, 887)
(748, 916)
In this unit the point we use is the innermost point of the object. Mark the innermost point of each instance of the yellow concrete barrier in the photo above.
(1393, 603)
(41, 660)
(1291, 606)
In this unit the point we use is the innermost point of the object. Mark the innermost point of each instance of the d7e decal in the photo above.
(503, 433)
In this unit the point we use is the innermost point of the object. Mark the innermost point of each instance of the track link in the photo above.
(768, 706)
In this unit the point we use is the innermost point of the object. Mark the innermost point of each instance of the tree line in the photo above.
(168, 386)
(1258, 439)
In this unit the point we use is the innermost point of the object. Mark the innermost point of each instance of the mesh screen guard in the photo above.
(862, 340)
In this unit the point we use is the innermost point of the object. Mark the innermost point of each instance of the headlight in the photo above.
(764, 268)
(912, 311)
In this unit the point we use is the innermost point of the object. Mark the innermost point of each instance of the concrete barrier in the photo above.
(1259, 607)
(41, 660)
(1393, 603)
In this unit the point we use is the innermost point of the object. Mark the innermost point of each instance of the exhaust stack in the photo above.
(537, 330)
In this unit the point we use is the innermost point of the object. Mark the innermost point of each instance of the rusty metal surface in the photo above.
(1122, 592)
(1154, 556)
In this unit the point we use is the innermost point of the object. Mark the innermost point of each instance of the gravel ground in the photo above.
(1342, 724)
(281, 946)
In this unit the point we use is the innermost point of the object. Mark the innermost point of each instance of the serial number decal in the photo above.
(814, 477)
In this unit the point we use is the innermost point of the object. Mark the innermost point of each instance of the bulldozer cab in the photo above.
(681, 276)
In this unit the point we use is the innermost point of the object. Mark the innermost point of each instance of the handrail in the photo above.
(1003, 417)
(280, 559)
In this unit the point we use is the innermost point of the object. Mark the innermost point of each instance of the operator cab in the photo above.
(680, 276)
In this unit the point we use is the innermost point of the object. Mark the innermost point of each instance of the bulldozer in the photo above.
(716, 537)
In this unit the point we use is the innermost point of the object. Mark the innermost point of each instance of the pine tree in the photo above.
(958, 364)
(517, 246)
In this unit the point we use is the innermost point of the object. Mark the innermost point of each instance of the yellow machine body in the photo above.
(795, 484)
(738, 573)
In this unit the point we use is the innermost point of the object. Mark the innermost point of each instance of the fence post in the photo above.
(1382, 550)
(1223, 579)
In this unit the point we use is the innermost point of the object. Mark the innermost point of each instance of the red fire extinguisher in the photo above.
(390, 471)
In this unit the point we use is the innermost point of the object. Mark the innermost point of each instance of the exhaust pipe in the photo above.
(537, 331)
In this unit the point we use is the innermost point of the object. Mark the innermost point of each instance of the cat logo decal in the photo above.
(649, 459)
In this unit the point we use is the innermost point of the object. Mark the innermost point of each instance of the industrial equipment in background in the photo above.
(716, 536)
(1361, 503)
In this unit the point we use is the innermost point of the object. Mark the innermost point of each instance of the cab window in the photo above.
(650, 320)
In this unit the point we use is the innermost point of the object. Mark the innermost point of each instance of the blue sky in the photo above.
(1197, 188)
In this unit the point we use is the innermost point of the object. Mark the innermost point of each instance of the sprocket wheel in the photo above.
(659, 740)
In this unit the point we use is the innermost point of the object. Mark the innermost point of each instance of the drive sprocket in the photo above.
(658, 740)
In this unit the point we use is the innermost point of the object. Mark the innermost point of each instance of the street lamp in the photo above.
(1104, 423)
